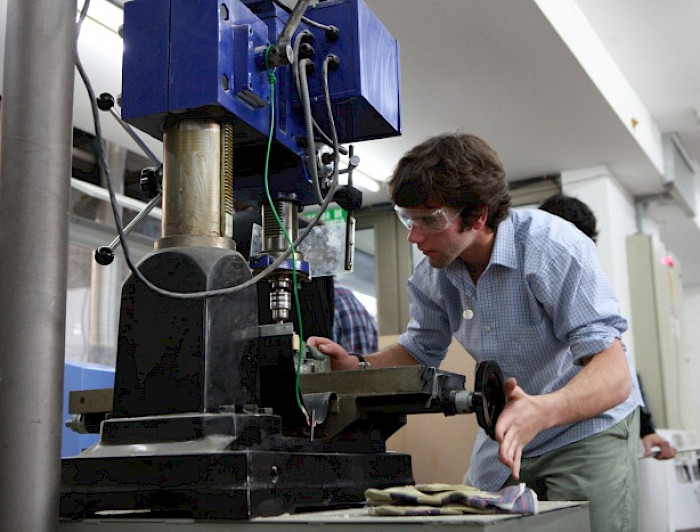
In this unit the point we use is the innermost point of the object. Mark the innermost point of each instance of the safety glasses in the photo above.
(429, 221)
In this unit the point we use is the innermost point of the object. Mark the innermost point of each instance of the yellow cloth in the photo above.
(450, 499)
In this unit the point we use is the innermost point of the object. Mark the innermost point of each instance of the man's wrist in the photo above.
(363, 364)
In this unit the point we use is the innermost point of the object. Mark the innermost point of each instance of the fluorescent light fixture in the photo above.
(360, 177)
(373, 167)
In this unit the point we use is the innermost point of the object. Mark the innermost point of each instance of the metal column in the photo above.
(34, 190)
(106, 280)
(192, 198)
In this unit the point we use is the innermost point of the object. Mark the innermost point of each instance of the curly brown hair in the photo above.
(574, 211)
(458, 170)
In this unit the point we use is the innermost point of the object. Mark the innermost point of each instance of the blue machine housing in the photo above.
(204, 59)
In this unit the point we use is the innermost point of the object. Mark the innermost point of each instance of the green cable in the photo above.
(273, 80)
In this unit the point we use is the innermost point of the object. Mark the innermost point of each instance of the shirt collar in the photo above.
(504, 249)
(503, 253)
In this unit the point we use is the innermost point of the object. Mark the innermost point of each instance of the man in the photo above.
(580, 214)
(525, 289)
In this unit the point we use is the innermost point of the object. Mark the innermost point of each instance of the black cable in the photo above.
(329, 110)
(295, 70)
(299, 71)
(102, 158)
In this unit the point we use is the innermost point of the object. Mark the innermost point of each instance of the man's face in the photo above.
(437, 233)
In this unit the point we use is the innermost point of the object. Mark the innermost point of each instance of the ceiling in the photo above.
(501, 70)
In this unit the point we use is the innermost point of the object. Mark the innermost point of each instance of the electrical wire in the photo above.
(102, 161)
(271, 78)
(308, 123)
(296, 45)
(333, 187)
(329, 110)
(310, 142)
(306, 20)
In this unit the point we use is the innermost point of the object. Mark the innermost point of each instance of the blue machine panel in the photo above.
(180, 59)
(202, 59)
(205, 66)
(365, 90)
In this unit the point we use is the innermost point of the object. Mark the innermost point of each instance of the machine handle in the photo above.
(105, 254)
(105, 102)
(488, 398)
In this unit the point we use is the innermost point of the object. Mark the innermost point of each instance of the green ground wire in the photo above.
(272, 81)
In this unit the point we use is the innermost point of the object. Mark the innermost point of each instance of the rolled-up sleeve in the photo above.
(577, 296)
(428, 334)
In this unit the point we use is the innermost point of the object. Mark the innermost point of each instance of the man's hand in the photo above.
(340, 359)
(666, 450)
(523, 417)
(390, 357)
(603, 383)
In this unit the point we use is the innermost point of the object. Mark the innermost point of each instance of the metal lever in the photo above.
(105, 102)
(353, 161)
(105, 254)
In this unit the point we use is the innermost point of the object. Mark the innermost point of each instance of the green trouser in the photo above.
(601, 469)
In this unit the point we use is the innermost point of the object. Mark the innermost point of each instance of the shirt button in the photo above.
(468, 314)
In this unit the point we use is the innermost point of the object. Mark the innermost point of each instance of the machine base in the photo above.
(228, 485)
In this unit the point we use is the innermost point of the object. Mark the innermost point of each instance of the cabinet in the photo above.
(657, 299)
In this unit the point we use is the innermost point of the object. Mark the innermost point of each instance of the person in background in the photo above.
(525, 289)
(579, 214)
(353, 326)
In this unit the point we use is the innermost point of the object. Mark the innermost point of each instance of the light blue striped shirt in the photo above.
(541, 306)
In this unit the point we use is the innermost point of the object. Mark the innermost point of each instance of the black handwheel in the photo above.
(489, 398)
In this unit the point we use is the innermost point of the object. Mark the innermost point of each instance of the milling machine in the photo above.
(252, 101)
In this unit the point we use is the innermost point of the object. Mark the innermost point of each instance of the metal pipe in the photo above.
(274, 240)
(34, 201)
(192, 185)
(102, 193)
(105, 281)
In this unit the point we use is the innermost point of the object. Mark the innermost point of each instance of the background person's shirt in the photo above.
(353, 326)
